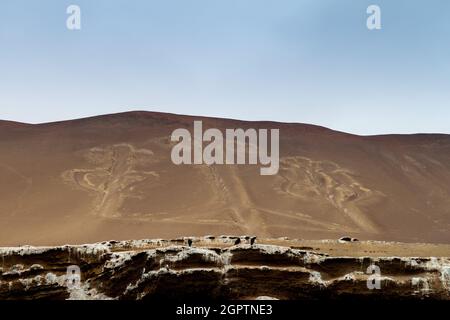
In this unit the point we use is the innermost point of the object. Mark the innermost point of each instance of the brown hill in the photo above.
(111, 177)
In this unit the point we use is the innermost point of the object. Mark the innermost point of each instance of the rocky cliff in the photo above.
(214, 268)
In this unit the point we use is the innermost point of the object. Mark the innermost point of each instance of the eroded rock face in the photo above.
(148, 269)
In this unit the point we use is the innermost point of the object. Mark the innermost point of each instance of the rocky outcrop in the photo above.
(155, 269)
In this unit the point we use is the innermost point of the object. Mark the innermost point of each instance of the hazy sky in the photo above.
(311, 61)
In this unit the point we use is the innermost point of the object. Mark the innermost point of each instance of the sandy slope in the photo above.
(110, 177)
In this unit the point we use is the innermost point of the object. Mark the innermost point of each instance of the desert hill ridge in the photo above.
(161, 116)
(103, 177)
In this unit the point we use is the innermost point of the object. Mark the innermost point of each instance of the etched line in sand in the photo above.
(116, 178)
(235, 200)
(307, 179)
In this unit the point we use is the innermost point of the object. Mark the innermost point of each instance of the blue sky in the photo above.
(311, 61)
